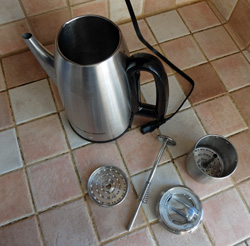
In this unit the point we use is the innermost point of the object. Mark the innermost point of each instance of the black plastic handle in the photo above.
(151, 126)
(149, 63)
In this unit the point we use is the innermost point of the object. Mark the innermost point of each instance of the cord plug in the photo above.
(151, 126)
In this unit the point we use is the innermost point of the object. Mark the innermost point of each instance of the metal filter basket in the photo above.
(108, 186)
(212, 158)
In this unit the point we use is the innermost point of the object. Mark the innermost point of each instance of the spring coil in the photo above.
(145, 193)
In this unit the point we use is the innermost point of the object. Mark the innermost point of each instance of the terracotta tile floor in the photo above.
(45, 166)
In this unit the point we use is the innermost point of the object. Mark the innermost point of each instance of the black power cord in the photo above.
(152, 125)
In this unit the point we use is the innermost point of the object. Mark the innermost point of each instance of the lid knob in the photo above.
(180, 210)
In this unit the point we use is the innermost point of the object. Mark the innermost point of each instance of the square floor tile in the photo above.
(165, 178)
(89, 158)
(233, 70)
(164, 237)
(210, 41)
(220, 116)
(68, 225)
(11, 36)
(207, 83)
(24, 232)
(186, 129)
(183, 52)
(198, 16)
(140, 151)
(5, 111)
(112, 222)
(141, 237)
(167, 26)
(47, 25)
(22, 68)
(10, 156)
(202, 190)
(241, 143)
(75, 140)
(32, 101)
(131, 38)
(224, 212)
(242, 101)
(97, 7)
(53, 181)
(41, 139)
(176, 95)
(36, 7)
(152, 6)
(244, 188)
(10, 11)
(14, 197)
(119, 12)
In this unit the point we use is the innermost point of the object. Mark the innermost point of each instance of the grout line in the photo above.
(217, 193)
(27, 83)
(3, 76)
(76, 4)
(216, 12)
(69, 8)
(154, 238)
(30, 193)
(150, 168)
(84, 195)
(242, 197)
(31, 120)
(179, 174)
(123, 160)
(33, 204)
(108, 9)
(26, 18)
(143, 8)
(46, 12)
(123, 234)
(235, 6)
(210, 238)
(16, 220)
(60, 204)
(241, 181)
(242, 53)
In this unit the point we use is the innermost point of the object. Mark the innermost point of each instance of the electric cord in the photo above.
(152, 125)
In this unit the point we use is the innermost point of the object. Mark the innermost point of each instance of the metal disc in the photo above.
(108, 186)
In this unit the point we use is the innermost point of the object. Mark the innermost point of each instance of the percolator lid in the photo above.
(180, 210)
